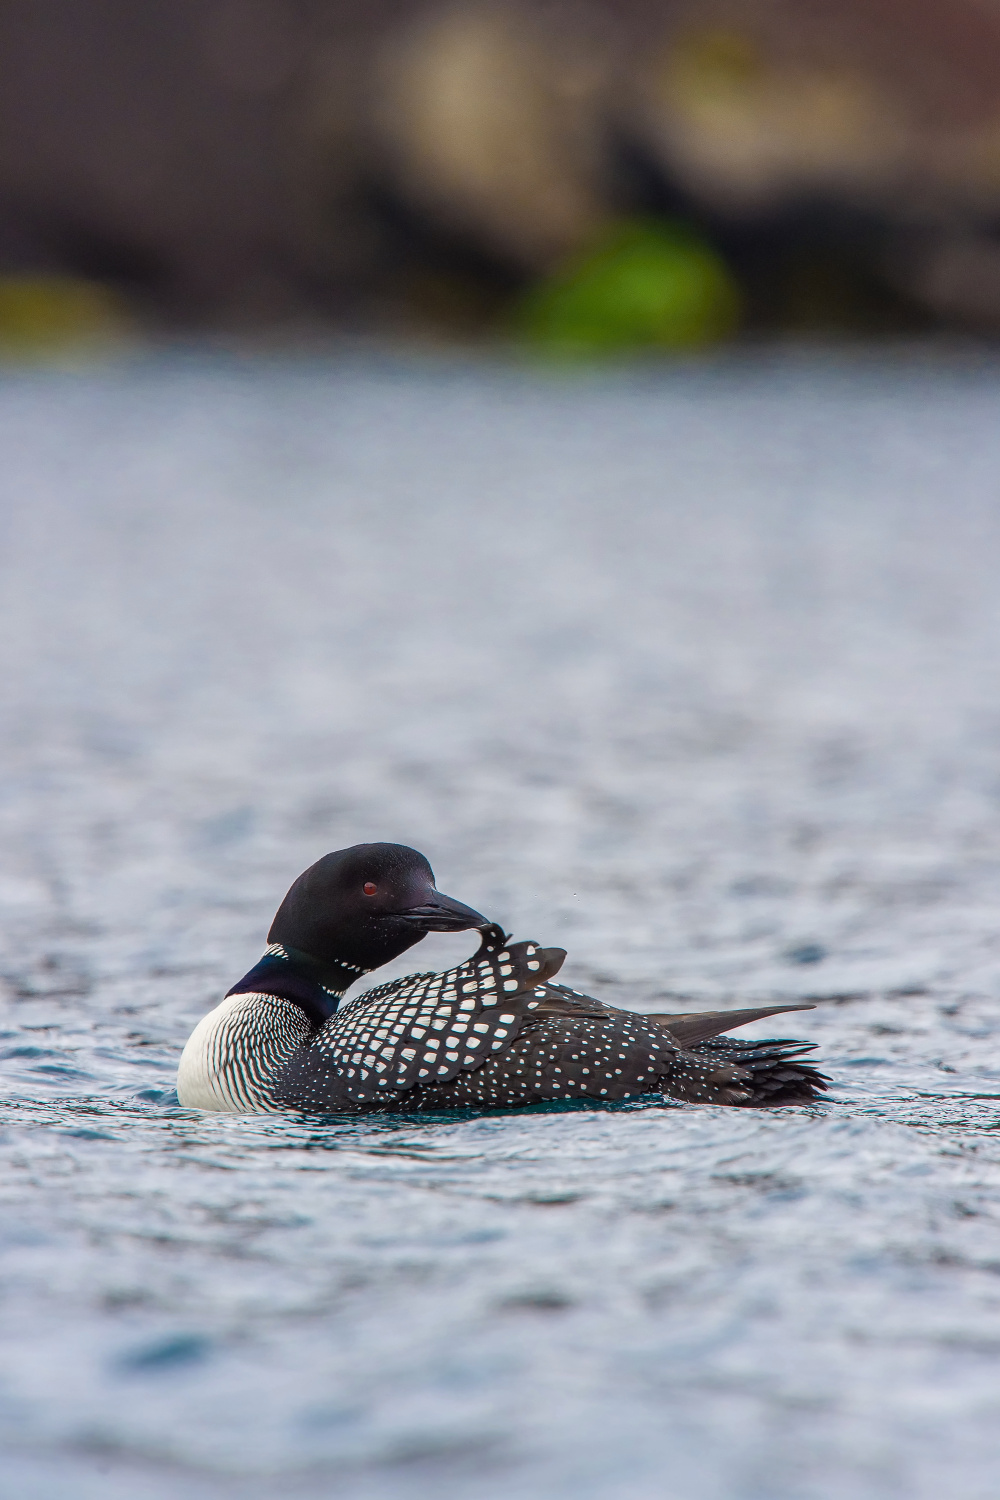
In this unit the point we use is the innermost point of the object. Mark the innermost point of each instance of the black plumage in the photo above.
(459, 1040)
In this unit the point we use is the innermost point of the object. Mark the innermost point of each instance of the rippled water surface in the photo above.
(694, 672)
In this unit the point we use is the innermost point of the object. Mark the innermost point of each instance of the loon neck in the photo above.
(316, 987)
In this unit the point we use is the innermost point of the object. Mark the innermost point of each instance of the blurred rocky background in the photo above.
(583, 177)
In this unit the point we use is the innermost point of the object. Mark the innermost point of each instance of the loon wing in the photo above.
(688, 1028)
(699, 1026)
(425, 1028)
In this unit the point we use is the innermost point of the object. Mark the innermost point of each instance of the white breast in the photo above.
(234, 1052)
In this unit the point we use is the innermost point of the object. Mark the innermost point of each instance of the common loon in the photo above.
(495, 1032)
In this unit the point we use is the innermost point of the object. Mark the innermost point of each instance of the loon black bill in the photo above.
(442, 913)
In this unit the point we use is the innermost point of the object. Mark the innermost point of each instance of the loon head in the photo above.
(363, 906)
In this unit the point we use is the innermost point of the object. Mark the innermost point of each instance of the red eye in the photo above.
(370, 887)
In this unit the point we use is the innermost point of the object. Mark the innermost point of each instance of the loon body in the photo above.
(494, 1032)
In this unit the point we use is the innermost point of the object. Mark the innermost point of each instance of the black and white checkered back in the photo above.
(427, 1027)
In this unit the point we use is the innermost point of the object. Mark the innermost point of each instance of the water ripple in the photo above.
(692, 672)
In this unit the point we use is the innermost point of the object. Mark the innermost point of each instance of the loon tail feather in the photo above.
(773, 1071)
(698, 1026)
(727, 1070)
